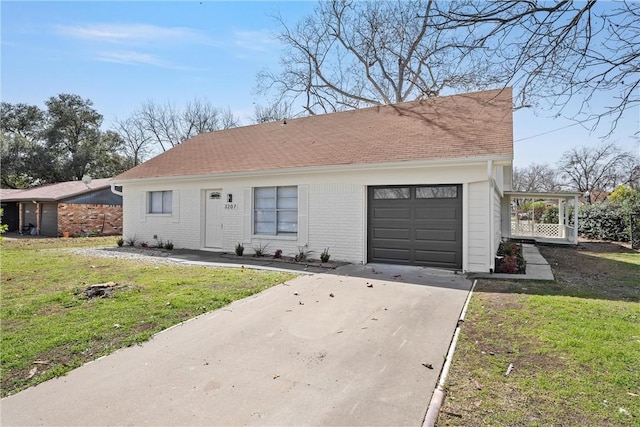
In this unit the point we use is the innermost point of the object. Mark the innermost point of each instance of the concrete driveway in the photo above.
(324, 349)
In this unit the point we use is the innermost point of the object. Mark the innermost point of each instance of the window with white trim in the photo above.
(160, 202)
(275, 210)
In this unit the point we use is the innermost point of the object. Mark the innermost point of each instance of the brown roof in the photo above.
(5, 193)
(460, 126)
(58, 191)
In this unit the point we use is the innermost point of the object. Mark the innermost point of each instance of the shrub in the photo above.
(535, 208)
(260, 250)
(607, 220)
(239, 249)
(303, 253)
(130, 241)
(159, 243)
(3, 227)
(168, 245)
(550, 215)
(278, 254)
(508, 264)
(623, 193)
(509, 248)
(324, 256)
(510, 259)
(120, 241)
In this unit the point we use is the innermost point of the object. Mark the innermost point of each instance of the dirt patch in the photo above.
(580, 271)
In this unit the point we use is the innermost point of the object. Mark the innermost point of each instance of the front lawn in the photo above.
(50, 327)
(573, 345)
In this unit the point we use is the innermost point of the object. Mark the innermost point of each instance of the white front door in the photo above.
(213, 219)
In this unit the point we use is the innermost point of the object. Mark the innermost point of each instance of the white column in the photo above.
(575, 220)
(561, 218)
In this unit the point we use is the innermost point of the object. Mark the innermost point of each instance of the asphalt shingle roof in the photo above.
(470, 125)
(58, 191)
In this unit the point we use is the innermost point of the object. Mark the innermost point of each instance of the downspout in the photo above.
(492, 189)
(114, 191)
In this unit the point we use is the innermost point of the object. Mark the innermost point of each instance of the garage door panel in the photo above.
(435, 224)
(434, 245)
(435, 213)
(389, 254)
(392, 213)
(417, 231)
(391, 233)
(392, 244)
(442, 257)
(436, 235)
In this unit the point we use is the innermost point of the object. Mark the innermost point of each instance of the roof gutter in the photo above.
(114, 191)
(501, 159)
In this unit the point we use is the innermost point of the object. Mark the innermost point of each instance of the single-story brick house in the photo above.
(72, 207)
(417, 183)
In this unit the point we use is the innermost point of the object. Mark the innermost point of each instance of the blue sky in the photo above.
(120, 54)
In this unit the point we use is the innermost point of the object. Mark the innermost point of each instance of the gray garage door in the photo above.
(49, 219)
(416, 225)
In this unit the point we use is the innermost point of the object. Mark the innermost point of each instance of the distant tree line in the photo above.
(584, 169)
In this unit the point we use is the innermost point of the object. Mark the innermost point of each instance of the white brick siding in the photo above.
(332, 210)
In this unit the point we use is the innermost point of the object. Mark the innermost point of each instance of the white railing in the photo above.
(526, 228)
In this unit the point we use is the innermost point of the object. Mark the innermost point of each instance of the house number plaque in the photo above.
(231, 206)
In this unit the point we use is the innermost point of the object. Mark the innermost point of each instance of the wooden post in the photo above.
(38, 219)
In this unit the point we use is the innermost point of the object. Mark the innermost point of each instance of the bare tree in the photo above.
(159, 127)
(602, 168)
(535, 177)
(558, 51)
(274, 111)
(349, 54)
(137, 142)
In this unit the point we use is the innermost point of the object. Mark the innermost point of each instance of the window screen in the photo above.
(160, 202)
(275, 210)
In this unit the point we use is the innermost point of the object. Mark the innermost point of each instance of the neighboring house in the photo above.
(67, 207)
(594, 196)
(417, 183)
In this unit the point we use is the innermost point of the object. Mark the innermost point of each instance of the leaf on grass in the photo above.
(32, 372)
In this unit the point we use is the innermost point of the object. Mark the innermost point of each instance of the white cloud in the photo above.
(128, 57)
(258, 41)
(133, 33)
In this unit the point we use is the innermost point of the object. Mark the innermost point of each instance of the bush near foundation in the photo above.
(509, 258)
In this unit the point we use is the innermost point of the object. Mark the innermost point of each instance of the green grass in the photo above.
(576, 358)
(629, 258)
(48, 324)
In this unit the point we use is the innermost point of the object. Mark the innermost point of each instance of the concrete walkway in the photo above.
(537, 267)
(361, 346)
